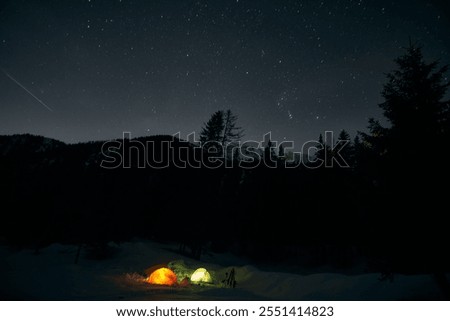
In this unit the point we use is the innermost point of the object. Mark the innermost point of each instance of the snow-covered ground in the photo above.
(52, 275)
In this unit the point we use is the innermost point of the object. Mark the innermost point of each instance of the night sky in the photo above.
(89, 70)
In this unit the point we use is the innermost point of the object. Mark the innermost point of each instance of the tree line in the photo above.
(389, 205)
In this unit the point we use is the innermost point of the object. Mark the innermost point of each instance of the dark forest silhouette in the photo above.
(389, 205)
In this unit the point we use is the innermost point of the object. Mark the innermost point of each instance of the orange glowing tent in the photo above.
(162, 276)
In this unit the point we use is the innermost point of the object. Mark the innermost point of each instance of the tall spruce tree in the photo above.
(410, 163)
(414, 100)
(213, 129)
(222, 132)
(231, 133)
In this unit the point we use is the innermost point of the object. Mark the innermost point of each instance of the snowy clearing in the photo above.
(52, 275)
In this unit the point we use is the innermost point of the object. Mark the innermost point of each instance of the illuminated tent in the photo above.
(201, 275)
(163, 276)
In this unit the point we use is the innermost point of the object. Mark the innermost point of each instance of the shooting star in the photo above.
(23, 87)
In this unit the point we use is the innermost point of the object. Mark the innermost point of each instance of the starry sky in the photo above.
(91, 69)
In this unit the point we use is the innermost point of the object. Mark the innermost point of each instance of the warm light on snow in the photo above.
(201, 275)
(162, 276)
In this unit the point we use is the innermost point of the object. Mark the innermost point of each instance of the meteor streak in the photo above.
(23, 87)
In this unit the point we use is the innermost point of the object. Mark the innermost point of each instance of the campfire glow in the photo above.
(201, 275)
(163, 276)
